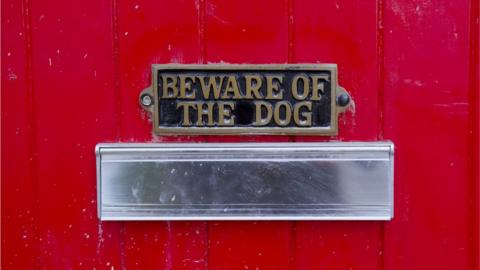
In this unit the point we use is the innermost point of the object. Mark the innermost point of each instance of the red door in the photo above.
(72, 72)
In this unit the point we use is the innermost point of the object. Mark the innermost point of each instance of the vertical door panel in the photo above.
(18, 159)
(74, 97)
(426, 115)
(152, 32)
(345, 33)
(247, 32)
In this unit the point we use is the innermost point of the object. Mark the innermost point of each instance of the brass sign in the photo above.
(245, 99)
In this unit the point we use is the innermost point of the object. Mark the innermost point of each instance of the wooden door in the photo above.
(72, 72)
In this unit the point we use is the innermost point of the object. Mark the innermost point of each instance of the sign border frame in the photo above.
(330, 130)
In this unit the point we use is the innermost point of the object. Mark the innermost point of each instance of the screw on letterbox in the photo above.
(343, 99)
(147, 100)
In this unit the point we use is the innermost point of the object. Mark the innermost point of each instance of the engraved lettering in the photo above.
(318, 86)
(169, 83)
(231, 87)
(225, 117)
(295, 82)
(205, 111)
(260, 107)
(287, 116)
(306, 120)
(253, 83)
(273, 87)
(186, 87)
(213, 85)
(186, 112)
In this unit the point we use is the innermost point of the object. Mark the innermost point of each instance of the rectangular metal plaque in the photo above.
(261, 181)
(245, 99)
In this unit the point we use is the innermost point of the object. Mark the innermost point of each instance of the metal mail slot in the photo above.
(254, 181)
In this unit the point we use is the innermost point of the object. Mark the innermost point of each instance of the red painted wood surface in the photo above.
(72, 71)
(427, 116)
(342, 32)
(247, 31)
(149, 32)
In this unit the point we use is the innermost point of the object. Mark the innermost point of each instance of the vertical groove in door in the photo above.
(33, 150)
(474, 164)
(291, 59)
(202, 31)
(116, 72)
(19, 152)
(380, 69)
(117, 99)
(381, 104)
